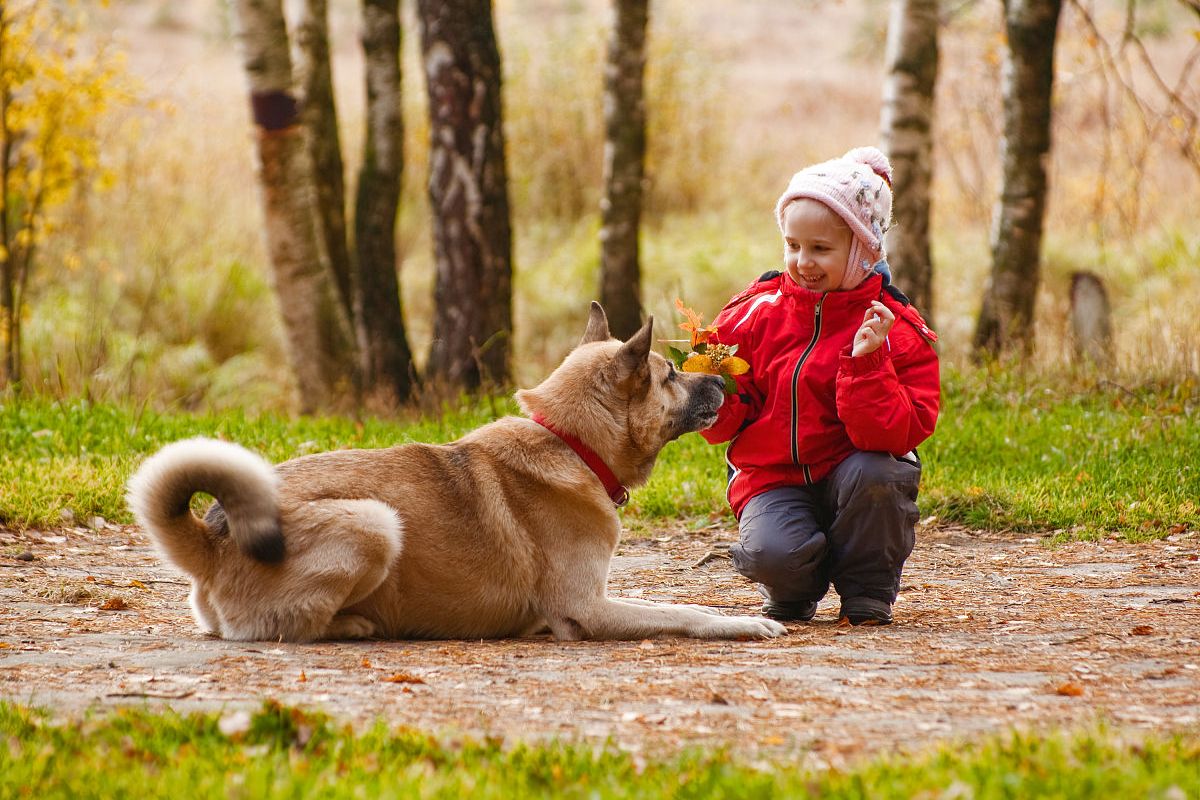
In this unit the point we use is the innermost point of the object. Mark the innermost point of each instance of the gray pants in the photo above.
(855, 529)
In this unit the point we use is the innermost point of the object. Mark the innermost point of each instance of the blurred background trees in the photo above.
(1006, 319)
(639, 170)
(468, 194)
(52, 95)
(624, 167)
(907, 134)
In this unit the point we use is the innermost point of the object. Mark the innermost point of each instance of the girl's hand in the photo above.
(876, 323)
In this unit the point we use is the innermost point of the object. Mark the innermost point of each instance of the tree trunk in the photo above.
(468, 192)
(1006, 319)
(318, 334)
(907, 123)
(624, 157)
(10, 306)
(318, 112)
(387, 358)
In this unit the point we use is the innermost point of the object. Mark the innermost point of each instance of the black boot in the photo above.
(865, 611)
(796, 611)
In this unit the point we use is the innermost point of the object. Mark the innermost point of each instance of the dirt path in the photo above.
(991, 632)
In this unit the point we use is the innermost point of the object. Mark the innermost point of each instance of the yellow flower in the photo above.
(717, 359)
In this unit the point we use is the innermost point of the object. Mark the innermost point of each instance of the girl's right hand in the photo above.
(877, 321)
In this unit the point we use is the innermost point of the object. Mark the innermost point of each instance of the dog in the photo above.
(508, 531)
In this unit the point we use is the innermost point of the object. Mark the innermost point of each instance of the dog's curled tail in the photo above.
(160, 494)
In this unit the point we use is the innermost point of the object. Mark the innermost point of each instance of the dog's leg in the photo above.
(575, 606)
(202, 610)
(349, 626)
(338, 553)
(606, 618)
(640, 602)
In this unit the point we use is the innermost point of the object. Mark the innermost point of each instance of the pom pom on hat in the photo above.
(858, 188)
(873, 158)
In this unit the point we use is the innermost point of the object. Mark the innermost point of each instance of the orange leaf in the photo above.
(694, 319)
(303, 678)
(1069, 689)
(1142, 630)
(114, 604)
(694, 325)
(403, 677)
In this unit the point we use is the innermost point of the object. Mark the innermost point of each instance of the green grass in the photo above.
(1066, 458)
(286, 752)
(1009, 454)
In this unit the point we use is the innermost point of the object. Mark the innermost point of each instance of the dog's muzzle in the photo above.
(703, 404)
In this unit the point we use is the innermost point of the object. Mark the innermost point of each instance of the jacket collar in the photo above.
(866, 291)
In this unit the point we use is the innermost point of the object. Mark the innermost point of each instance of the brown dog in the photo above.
(504, 532)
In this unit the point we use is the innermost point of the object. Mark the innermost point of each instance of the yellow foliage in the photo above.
(54, 91)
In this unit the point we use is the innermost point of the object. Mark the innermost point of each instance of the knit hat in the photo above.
(858, 188)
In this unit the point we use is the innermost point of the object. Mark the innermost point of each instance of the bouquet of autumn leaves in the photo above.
(705, 355)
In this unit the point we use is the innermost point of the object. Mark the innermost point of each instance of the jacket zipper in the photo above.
(796, 382)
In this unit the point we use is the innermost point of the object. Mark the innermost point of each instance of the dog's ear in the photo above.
(597, 326)
(635, 353)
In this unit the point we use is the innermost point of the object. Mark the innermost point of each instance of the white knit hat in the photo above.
(858, 188)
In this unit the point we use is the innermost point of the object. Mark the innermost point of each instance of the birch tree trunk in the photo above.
(387, 358)
(318, 112)
(907, 124)
(624, 157)
(468, 192)
(319, 341)
(1006, 320)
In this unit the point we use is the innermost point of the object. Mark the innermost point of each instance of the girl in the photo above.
(843, 386)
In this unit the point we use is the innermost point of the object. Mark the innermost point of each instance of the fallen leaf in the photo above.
(1142, 630)
(403, 677)
(303, 678)
(136, 584)
(116, 603)
(1069, 689)
(366, 663)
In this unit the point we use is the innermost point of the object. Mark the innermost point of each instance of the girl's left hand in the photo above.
(875, 326)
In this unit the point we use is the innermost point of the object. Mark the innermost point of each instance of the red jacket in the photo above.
(806, 404)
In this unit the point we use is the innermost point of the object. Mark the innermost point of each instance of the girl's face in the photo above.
(816, 245)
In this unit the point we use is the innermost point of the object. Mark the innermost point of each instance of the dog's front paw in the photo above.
(773, 628)
(745, 628)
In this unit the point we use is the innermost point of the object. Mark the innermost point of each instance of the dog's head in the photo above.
(622, 400)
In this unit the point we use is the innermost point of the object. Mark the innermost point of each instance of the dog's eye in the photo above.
(672, 374)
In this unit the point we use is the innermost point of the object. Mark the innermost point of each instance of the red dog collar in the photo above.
(615, 489)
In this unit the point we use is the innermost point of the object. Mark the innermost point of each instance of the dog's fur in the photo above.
(504, 532)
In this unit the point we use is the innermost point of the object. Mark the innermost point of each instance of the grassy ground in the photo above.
(1066, 458)
(284, 752)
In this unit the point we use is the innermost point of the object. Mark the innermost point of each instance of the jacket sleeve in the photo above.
(743, 406)
(889, 399)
